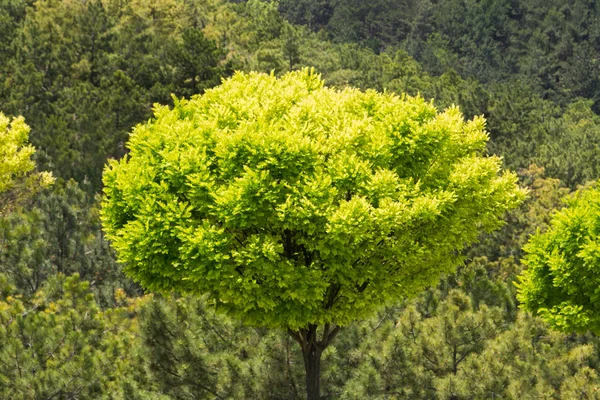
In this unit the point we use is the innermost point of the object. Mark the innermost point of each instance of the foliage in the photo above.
(84, 73)
(192, 352)
(60, 344)
(59, 233)
(545, 196)
(560, 282)
(463, 352)
(18, 180)
(293, 204)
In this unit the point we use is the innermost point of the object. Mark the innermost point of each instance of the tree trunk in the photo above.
(312, 366)
(312, 348)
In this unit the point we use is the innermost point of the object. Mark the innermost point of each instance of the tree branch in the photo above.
(295, 335)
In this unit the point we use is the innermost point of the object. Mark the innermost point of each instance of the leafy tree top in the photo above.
(561, 280)
(17, 178)
(292, 204)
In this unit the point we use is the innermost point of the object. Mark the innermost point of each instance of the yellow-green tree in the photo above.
(301, 207)
(18, 179)
(561, 280)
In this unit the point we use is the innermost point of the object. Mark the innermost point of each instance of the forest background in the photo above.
(83, 73)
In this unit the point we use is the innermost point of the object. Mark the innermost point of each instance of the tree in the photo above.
(561, 281)
(197, 62)
(84, 73)
(190, 352)
(61, 345)
(300, 207)
(462, 352)
(59, 232)
(17, 178)
(313, 13)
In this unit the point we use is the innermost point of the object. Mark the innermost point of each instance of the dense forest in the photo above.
(84, 73)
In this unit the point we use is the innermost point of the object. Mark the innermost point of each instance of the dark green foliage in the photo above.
(12, 12)
(60, 345)
(315, 14)
(84, 73)
(379, 23)
(192, 353)
(176, 361)
(196, 62)
(59, 234)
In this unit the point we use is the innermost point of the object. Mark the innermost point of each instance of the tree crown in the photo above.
(291, 203)
(17, 177)
(561, 280)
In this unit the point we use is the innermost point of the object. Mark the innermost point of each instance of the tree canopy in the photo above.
(561, 280)
(293, 204)
(18, 179)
